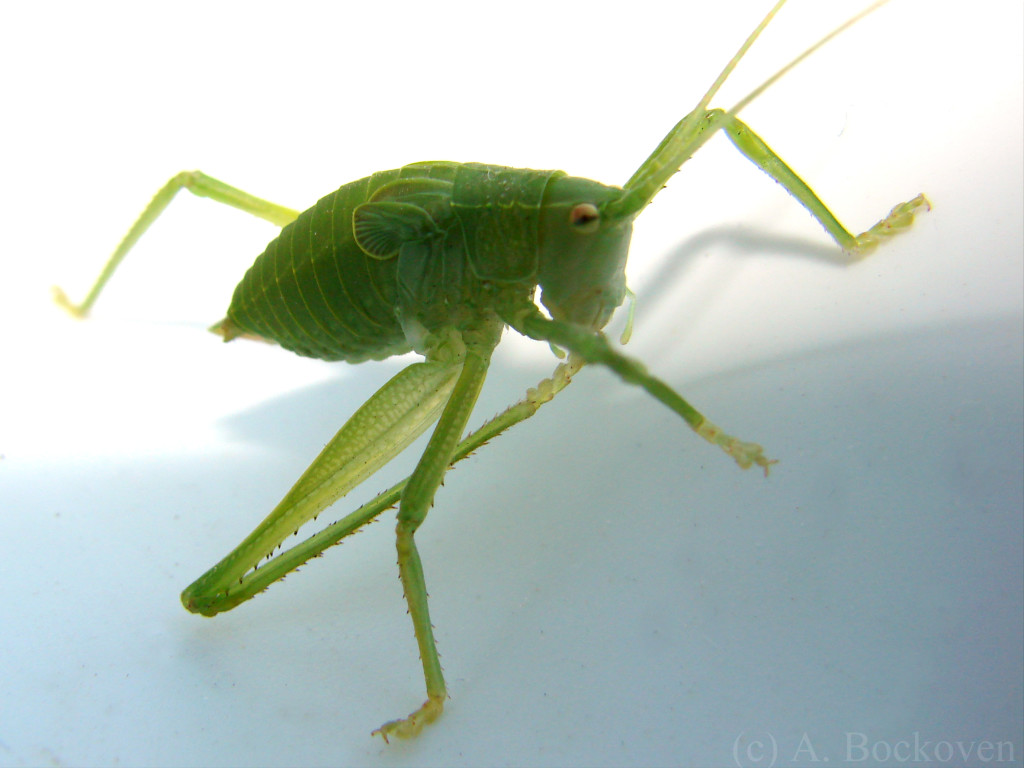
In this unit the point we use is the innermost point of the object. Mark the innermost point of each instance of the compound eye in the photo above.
(584, 218)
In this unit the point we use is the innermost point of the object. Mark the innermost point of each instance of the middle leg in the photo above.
(417, 498)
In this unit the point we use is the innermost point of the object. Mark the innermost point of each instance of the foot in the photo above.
(898, 220)
(413, 724)
(744, 454)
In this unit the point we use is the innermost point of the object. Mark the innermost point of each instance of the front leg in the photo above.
(417, 497)
(750, 144)
(593, 347)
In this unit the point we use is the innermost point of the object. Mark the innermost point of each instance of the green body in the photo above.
(439, 258)
(383, 264)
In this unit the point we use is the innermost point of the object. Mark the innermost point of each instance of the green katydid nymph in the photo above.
(438, 258)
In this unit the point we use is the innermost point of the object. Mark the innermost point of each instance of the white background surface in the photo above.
(607, 589)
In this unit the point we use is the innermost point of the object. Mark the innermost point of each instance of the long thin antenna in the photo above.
(771, 80)
(727, 70)
(699, 125)
(676, 148)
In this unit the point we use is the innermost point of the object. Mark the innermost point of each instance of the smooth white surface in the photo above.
(607, 590)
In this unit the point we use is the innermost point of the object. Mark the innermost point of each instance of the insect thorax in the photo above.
(499, 211)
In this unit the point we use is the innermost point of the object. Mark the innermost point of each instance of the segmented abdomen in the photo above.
(316, 293)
